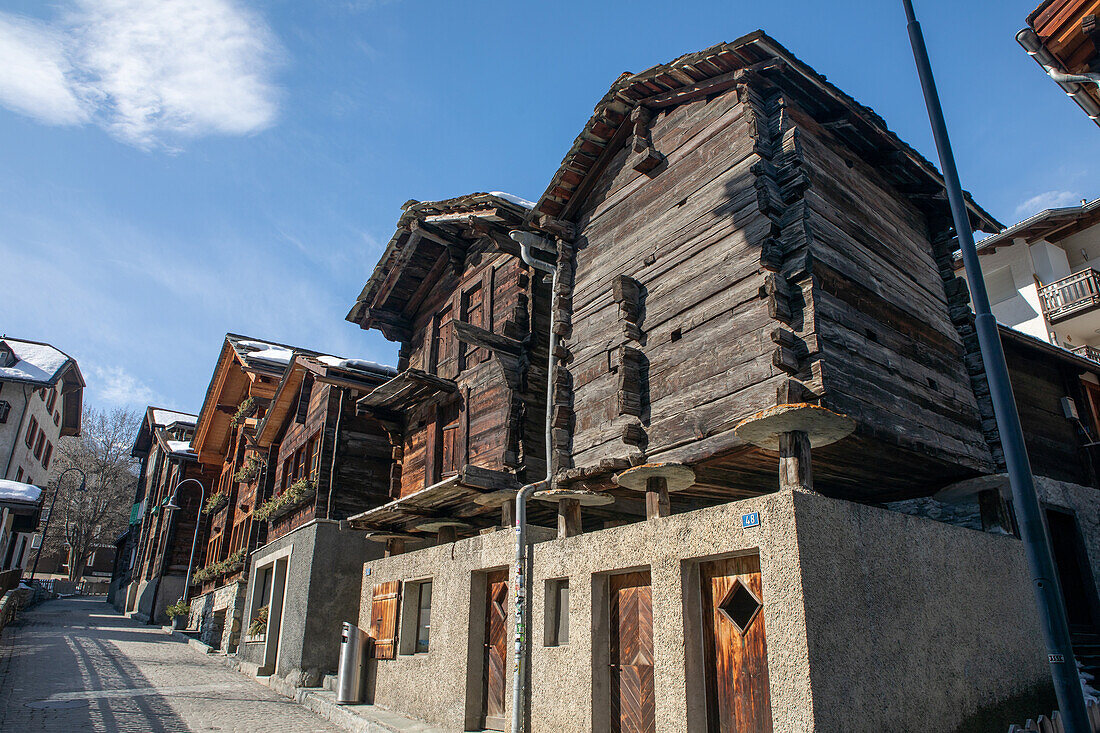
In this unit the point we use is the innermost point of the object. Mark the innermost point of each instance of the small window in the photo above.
(32, 430)
(57, 417)
(19, 474)
(5, 408)
(39, 444)
(423, 615)
(47, 454)
(557, 612)
(740, 606)
(51, 401)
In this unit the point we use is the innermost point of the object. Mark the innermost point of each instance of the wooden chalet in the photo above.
(312, 436)
(465, 411)
(1063, 36)
(323, 461)
(744, 234)
(245, 380)
(162, 548)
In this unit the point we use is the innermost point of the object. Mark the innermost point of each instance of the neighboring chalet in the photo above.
(41, 397)
(465, 411)
(1063, 36)
(756, 292)
(151, 567)
(246, 378)
(324, 463)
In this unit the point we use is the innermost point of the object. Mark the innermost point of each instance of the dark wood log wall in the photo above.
(1055, 445)
(498, 403)
(690, 237)
(763, 261)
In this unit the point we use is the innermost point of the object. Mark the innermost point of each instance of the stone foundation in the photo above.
(217, 616)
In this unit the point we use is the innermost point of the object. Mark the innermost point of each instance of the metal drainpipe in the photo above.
(526, 240)
(1034, 47)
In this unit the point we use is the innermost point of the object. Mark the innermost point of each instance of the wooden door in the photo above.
(632, 702)
(735, 648)
(496, 648)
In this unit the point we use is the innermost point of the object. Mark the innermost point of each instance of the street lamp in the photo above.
(49, 514)
(1029, 514)
(172, 506)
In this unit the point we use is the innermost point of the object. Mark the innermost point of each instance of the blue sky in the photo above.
(171, 171)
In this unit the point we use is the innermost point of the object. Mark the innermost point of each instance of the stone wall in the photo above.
(875, 620)
(205, 612)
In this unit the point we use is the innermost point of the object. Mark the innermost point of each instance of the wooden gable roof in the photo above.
(430, 235)
(720, 68)
(245, 368)
(322, 369)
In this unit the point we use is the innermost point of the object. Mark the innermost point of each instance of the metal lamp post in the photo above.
(49, 515)
(1052, 613)
(172, 506)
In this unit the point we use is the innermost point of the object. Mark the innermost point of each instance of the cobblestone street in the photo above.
(75, 665)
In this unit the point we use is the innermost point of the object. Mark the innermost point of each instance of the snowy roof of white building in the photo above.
(35, 362)
(19, 491)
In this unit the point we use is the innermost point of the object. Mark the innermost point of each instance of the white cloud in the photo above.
(118, 388)
(1046, 200)
(148, 71)
(36, 69)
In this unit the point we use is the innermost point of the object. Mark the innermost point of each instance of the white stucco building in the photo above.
(41, 397)
(1042, 276)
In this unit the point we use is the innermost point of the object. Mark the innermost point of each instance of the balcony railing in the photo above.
(1070, 295)
(1089, 352)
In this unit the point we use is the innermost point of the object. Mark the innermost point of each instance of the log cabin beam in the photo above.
(569, 518)
(795, 465)
(657, 503)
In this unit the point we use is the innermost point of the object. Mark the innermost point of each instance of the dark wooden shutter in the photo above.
(383, 619)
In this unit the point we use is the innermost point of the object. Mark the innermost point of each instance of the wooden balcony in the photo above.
(1089, 352)
(1071, 295)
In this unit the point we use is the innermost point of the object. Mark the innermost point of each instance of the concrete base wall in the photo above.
(171, 590)
(875, 620)
(322, 588)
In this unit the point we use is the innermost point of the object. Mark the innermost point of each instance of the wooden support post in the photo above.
(508, 513)
(994, 512)
(795, 470)
(569, 518)
(446, 535)
(657, 503)
(394, 546)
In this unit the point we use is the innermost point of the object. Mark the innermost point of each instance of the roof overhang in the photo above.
(1062, 37)
(431, 240)
(723, 67)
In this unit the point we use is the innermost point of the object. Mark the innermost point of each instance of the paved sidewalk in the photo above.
(75, 665)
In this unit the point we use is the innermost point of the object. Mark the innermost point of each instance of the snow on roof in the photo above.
(35, 362)
(19, 491)
(362, 364)
(180, 446)
(514, 199)
(262, 351)
(167, 417)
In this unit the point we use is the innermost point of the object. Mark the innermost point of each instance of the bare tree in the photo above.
(82, 520)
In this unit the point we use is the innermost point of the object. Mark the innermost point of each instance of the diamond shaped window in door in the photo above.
(740, 605)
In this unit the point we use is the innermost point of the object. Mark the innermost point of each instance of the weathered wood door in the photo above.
(632, 702)
(735, 647)
(496, 648)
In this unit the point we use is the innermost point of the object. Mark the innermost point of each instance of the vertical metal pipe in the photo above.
(1052, 614)
(519, 668)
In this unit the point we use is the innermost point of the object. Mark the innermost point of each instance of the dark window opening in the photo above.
(740, 606)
